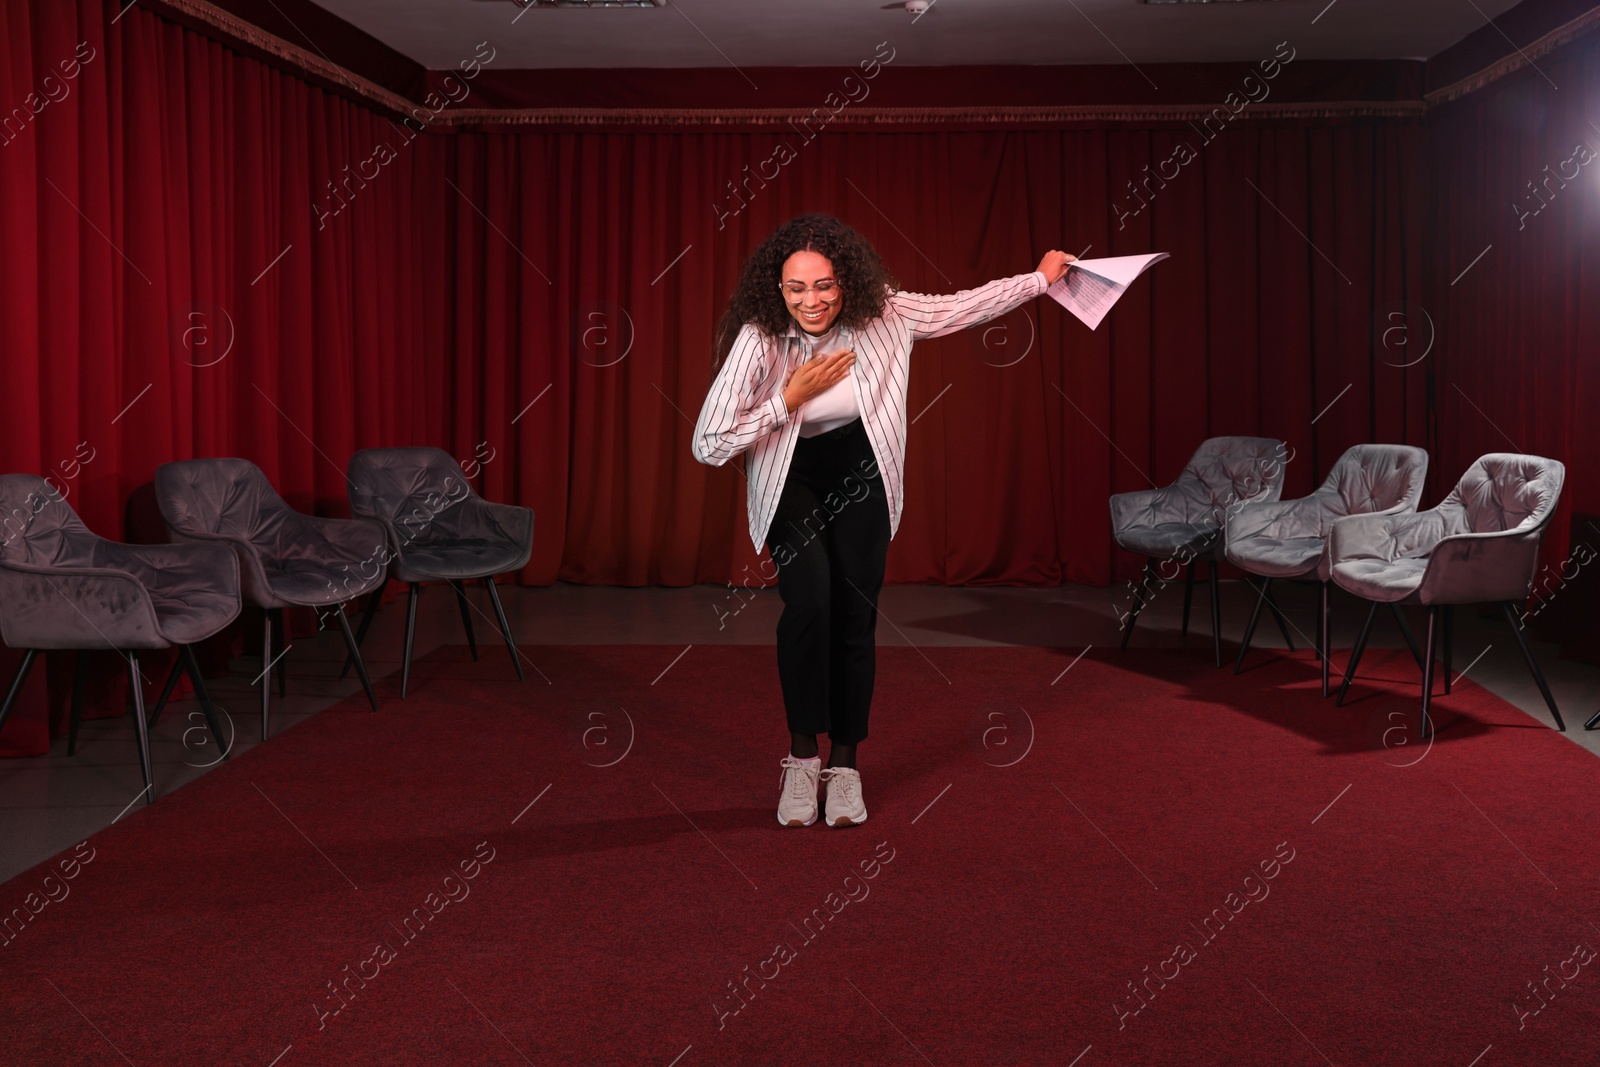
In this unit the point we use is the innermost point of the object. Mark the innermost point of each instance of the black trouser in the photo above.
(829, 539)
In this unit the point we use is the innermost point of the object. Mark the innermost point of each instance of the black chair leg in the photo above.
(1533, 664)
(141, 731)
(1324, 636)
(1216, 610)
(466, 617)
(192, 665)
(1188, 594)
(1138, 602)
(505, 628)
(16, 684)
(355, 654)
(1277, 613)
(1250, 630)
(266, 670)
(1449, 642)
(283, 639)
(411, 633)
(1594, 721)
(373, 603)
(166, 694)
(1427, 668)
(1355, 654)
(1405, 632)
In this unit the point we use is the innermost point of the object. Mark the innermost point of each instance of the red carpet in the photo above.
(1286, 887)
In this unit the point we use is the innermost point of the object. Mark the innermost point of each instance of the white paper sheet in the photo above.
(1091, 286)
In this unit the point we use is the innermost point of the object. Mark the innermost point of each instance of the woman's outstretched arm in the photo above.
(935, 316)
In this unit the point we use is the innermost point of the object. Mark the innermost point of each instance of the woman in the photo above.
(812, 363)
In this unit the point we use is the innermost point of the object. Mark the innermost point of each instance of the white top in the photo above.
(744, 409)
(836, 405)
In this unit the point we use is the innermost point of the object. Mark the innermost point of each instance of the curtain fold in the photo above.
(1514, 278)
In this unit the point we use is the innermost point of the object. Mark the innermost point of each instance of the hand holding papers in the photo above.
(1091, 286)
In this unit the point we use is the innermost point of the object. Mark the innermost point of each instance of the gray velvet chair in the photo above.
(1183, 522)
(1479, 545)
(1289, 538)
(286, 559)
(439, 531)
(64, 588)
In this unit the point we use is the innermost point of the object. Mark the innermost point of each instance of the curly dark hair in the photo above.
(863, 279)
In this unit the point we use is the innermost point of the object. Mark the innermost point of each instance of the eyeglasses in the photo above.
(827, 291)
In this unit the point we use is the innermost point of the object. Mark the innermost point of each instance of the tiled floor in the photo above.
(49, 803)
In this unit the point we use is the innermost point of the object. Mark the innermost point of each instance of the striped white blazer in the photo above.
(745, 410)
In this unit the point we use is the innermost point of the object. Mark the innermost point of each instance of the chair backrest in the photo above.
(1226, 471)
(1504, 491)
(221, 497)
(1372, 478)
(411, 490)
(39, 526)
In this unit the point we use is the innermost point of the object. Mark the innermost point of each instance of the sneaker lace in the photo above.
(801, 779)
(841, 782)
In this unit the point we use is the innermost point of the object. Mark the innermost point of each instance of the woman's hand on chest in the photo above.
(816, 376)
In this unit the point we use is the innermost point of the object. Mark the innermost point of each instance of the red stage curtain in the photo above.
(541, 304)
(1519, 332)
(1286, 241)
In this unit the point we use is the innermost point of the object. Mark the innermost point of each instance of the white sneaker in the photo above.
(845, 806)
(797, 804)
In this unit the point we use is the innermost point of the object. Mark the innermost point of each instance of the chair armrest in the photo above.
(395, 537)
(252, 575)
(514, 522)
(1476, 568)
(477, 518)
(353, 540)
(359, 548)
(1252, 519)
(469, 518)
(413, 519)
(1405, 507)
(155, 566)
(1126, 508)
(1364, 537)
(43, 607)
